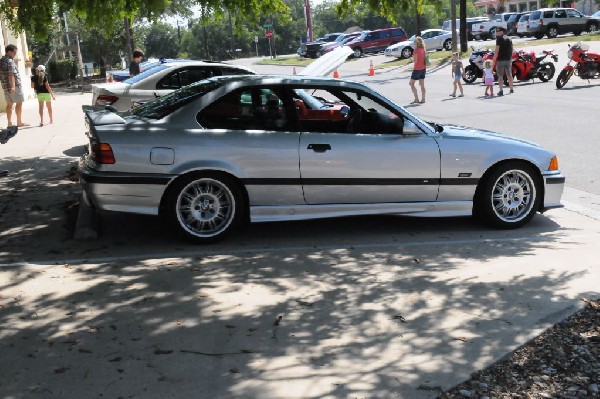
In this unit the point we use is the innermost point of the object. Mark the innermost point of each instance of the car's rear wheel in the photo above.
(546, 72)
(406, 52)
(552, 32)
(358, 52)
(563, 78)
(205, 207)
(448, 45)
(592, 28)
(510, 195)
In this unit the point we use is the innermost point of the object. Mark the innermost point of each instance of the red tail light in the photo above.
(103, 153)
(104, 99)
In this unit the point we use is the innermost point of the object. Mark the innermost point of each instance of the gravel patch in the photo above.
(562, 362)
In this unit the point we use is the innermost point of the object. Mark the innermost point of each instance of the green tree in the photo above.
(36, 16)
(161, 41)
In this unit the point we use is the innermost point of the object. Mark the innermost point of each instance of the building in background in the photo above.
(586, 7)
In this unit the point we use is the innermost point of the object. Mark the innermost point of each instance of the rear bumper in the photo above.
(120, 192)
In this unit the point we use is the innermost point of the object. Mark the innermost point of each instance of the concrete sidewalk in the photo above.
(394, 308)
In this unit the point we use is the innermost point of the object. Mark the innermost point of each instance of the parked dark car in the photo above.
(376, 40)
(340, 41)
(511, 24)
(311, 49)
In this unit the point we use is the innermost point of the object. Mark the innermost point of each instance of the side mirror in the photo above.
(410, 128)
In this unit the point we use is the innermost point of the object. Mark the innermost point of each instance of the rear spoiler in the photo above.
(98, 116)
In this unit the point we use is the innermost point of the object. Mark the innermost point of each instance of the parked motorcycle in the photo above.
(474, 70)
(587, 65)
(527, 65)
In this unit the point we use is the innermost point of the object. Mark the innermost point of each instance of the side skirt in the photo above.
(304, 212)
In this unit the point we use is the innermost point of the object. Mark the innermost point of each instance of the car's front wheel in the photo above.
(592, 28)
(406, 52)
(448, 45)
(510, 195)
(358, 52)
(205, 207)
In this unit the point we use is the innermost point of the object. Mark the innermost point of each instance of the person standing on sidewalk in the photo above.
(11, 83)
(39, 83)
(134, 65)
(503, 59)
(418, 73)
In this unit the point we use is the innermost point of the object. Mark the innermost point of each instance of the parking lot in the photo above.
(359, 307)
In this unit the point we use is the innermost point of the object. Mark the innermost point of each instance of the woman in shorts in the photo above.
(39, 83)
(418, 73)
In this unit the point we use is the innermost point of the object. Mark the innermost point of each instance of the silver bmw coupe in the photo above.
(271, 148)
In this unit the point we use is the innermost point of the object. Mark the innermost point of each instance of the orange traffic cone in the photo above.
(371, 69)
(294, 70)
(336, 75)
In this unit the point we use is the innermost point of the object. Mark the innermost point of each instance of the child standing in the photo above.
(488, 77)
(39, 83)
(457, 72)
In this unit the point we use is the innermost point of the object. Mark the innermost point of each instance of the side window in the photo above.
(399, 32)
(548, 14)
(250, 109)
(497, 18)
(226, 71)
(372, 36)
(192, 75)
(573, 14)
(169, 82)
(560, 14)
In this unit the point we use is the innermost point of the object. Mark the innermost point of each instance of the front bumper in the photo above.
(554, 184)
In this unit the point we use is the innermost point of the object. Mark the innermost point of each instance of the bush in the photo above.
(62, 70)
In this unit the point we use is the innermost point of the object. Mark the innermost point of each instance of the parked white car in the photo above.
(160, 80)
(435, 39)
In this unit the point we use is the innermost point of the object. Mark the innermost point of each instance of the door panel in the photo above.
(368, 168)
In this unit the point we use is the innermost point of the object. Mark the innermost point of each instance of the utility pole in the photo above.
(128, 37)
(464, 45)
(309, 29)
(453, 24)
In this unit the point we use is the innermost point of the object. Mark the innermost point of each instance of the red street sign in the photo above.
(268, 34)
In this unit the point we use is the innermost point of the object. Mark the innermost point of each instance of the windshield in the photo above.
(145, 74)
(362, 36)
(163, 106)
(524, 18)
(412, 38)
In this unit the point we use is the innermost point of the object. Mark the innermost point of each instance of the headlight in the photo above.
(570, 54)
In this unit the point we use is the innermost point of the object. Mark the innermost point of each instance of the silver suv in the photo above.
(555, 21)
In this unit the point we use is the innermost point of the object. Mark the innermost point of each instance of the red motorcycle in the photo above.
(587, 65)
(528, 65)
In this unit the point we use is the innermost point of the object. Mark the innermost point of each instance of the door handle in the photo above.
(319, 147)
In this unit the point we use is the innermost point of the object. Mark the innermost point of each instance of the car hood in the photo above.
(467, 133)
(402, 44)
(328, 63)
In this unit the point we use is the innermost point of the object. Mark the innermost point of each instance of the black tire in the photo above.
(357, 52)
(406, 52)
(577, 33)
(470, 75)
(592, 27)
(448, 45)
(552, 32)
(563, 78)
(509, 196)
(205, 207)
(546, 72)
(538, 35)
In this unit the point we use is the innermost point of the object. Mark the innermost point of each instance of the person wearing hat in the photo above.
(503, 59)
(39, 83)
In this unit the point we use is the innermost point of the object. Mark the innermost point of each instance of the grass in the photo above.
(289, 61)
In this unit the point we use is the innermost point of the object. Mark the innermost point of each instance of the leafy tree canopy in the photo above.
(36, 16)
